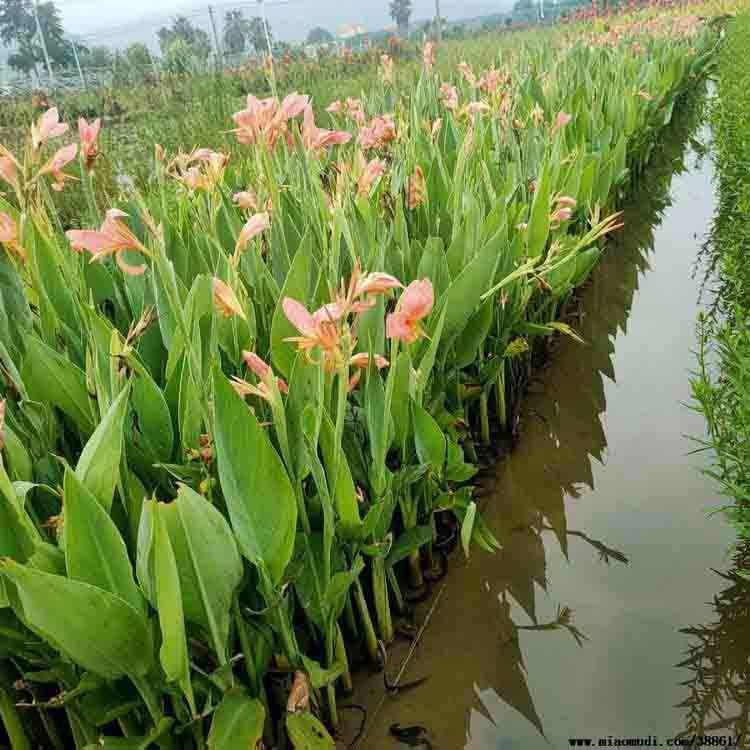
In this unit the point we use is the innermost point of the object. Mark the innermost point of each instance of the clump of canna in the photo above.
(237, 404)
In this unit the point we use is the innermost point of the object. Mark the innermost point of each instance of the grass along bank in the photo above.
(721, 387)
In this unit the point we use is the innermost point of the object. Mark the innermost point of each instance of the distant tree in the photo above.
(96, 57)
(194, 42)
(256, 35)
(400, 11)
(319, 35)
(18, 27)
(138, 56)
(235, 31)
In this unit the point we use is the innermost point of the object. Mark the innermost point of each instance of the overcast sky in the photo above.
(108, 19)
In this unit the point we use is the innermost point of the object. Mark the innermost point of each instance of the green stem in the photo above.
(341, 655)
(371, 640)
(485, 418)
(415, 570)
(396, 590)
(502, 415)
(247, 650)
(12, 721)
(382, 605)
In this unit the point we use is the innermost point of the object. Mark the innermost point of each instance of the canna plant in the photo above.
(240, 407)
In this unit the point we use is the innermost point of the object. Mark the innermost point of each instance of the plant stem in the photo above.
(12, 721)
(485, 418)
(396, 589)
(382, 606)
(371, 640)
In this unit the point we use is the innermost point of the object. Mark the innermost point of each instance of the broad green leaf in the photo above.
(16, 538)
(52, 378)
(320, 676)
(98, 467)
(208, 563)
(538, 229)
(410, 541)
(173, 653)
(467, 527)
(97, 630)
(307, 733)
(344, 494)
(237, 723)
(154, 435)
(474, 334)
(429, 439)
(95, 553)
(258, 493)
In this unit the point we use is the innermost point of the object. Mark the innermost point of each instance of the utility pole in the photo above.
(265, 26)
(78, 64)
(42, 41)
(217, 46)
(438, 21)
(541, 10)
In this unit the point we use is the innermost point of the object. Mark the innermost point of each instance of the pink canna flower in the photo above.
(315, 139)
(361, 362)
(429, 56)
(416, 303)
(225, 300)
(57, 163)
(336, 108)
(477, 108)
(113, 238)
(417, 193)
(372, 171)
(491, 80)
(47, 127)
(565, 201)
(314, 332)
(263, 370)
(465, 70)
(386, 69)
(89, 136)
(9, 170)
(560, 215)
(562, 119)
(265, 120)
(247, 200)
(376, 283)
(449, 96)
(9, 237)
(255, 226)
(378, 134)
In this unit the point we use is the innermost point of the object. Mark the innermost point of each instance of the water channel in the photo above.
(609, 560)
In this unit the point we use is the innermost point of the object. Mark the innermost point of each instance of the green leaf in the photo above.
(429, 439)
(307, 733)
(467, 527)
(99, 465)
(95, 553)
(237, 723)
(538, 229)
(411, 540)
(16, 539)
(155, 435)
(319, 676)
(208, 562)
(344, 493)
(52, 378)
(474, 334)
(173, 653)
(97, 630)
(259, 495)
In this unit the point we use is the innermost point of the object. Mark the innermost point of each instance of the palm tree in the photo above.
(400, 11)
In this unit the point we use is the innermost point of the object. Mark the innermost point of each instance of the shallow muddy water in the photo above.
(602, 510)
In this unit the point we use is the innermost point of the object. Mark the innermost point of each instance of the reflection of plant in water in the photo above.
(719, 659)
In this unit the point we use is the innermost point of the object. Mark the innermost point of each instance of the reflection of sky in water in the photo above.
(497, 665)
